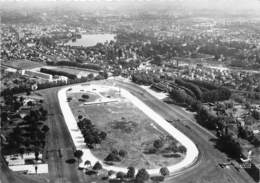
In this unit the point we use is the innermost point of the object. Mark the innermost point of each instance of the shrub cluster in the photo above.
(91, 134)
(203, 84)
(116, 155)
(192, 87)
(248, 134)
(189, 89)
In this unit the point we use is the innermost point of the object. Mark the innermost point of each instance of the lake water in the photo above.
(87, 40)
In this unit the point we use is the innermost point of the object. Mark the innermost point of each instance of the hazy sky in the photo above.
(232, 4)
(197, 4)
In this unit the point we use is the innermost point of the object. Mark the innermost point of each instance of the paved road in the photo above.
(207, 170)
(59, 138)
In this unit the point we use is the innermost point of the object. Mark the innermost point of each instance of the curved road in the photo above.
(59, 143)
(191, 153)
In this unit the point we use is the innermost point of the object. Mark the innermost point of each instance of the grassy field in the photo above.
(77, 96)
(127, 128)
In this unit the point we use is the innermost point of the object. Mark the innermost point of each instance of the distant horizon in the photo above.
(221, 5)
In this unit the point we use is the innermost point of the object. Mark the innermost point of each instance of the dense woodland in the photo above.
(192, 94)
(23, 133)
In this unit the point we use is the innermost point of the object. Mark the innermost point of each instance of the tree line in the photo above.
(26, 88)
(192, 93)
(203, 91)
(27, 135)
(59, 73)
(91, 134)
(76, 64)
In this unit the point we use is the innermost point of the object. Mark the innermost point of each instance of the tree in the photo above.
(78, 154)
(97, 166)
(44, 114)
(130, 172)
(158, 144)
(122, 153)
(216, 95)
(194, 88)
(102, 135)
(89, 138)
(16, 105)
(60, 73)
(157, 60)
(45, 128)
(178, 95)
(182, 149)
(80, 117)
(91, 76)
(21, 151)
(110, 172)
(112, 157)
(247, 105)
(4, 116)
(157, 178)
(120, 53)
(196, 106)
(30, 103)
(164, 171)
(85, 96)
(120, 175)
(173, 147)
(97, 140)
(256, 114)
(229, 145)
(80, 124)
(115, 151)
(87, 162)
(142, 175)
(28, 93)
(21, 99)
(36, 153)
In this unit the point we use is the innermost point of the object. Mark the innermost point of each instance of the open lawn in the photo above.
(127, 128)
(79, 100)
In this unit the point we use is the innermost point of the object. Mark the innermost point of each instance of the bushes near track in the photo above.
(187, 92)
(192, 87)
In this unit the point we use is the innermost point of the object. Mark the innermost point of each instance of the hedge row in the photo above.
(212, 94)
(59, 73)
(75, 64)
(193, 87)
(203, 84)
